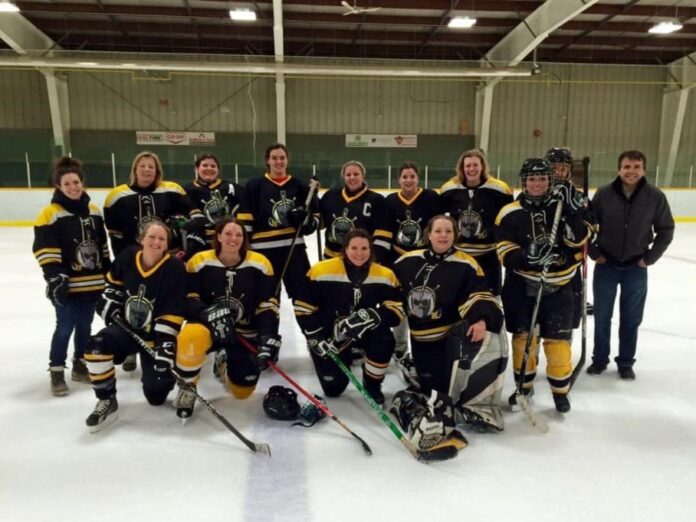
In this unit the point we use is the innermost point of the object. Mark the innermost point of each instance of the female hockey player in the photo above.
(354, 206)
(144, 290)
(350, 300)
(230, 293)
(215, 197)
(278, 210)
(451, 312)
(524, 230)
(70, 246)
(473, 198)
(146, 197)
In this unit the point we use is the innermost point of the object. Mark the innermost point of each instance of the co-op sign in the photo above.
(174, 138)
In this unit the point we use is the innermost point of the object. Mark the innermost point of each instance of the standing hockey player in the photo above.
(524, 230)
(345, 301)
(144, 288)
(230, 293)
(277, 214)
(454, 321)
(635, 228)
(71, 248)
(473, 198)
(214, 197)
(354, 206)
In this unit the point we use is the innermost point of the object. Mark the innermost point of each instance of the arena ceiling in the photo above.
(609, 31)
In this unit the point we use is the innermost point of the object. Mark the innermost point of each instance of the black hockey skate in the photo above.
(562, 403)
(130, 363)
(374, 388)
(105, 412)
(512, 400)
(184, 403)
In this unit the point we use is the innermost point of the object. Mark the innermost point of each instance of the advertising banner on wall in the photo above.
(174, 138)
(382, 140)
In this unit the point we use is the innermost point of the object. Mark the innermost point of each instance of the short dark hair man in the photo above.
(635, 229)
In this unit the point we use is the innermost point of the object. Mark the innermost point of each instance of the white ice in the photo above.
(626, 451)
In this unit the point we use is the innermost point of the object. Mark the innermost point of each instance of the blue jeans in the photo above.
(77, 315)
(633, 281)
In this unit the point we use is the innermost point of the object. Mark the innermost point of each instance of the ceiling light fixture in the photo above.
(8, 7)
(461, 22)
(243, 15)
(666, 27)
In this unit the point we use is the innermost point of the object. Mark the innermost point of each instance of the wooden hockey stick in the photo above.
(256, 447)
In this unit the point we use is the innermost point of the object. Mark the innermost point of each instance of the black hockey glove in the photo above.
(310, 227)
(320, 345)
(57, 289)
(296, 216)
(111, 304)
(165, 356)
(219, 320)
(269, 346)
(194, 243)
(540, 254)
(573, 201)
(356, 324)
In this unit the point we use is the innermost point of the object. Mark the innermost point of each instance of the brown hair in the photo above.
(473, 153)
(408, 165)
(220, 226)
(206, 156)
(150, 224)
(431, 223)
(66, 165)
(158, 167)
(633, 155)
(358, 232)
(273, 146)
(355, 163)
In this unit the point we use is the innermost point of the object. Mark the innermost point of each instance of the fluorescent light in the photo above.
(7, 7)
(461, 22)
(242, 15)
(666, 27)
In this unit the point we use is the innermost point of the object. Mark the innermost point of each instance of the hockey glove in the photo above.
(320, 345)
(356, 324)
(573, 201)
(194, 243)
(296, 216)
(165, 355)
(540, 254)
(111, 304)
(219, 320)
(269, 346)
(57, 289)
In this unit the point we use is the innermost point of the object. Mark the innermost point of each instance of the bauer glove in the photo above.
(57, 289)
(356, 324)
(218, 318)
(269, 346)
(540, 254)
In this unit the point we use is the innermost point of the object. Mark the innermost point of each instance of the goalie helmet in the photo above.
(280, 403)
(532, 175)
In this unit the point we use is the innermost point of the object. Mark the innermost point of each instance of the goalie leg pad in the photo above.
(481, 418)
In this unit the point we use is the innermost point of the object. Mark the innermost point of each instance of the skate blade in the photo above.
(108, 422)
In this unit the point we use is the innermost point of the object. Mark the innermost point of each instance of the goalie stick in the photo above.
(420, 455)
(323, 407)
(256, 447)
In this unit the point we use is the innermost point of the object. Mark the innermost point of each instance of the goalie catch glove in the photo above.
(358, 323)
(57, 289)
(219, 320)
(111, 304)
(269, 346)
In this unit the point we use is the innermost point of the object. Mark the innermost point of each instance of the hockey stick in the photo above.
(323, 407)
(583, 347)
(520, 398)
(423, 456)
(313, 186)
(257, 447)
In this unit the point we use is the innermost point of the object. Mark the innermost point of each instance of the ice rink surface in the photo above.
(626, 451)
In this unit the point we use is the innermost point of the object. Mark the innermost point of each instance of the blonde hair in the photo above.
(355, 163)
(473, 153)
(158, 167)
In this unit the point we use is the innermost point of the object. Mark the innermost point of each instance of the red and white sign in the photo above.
(175, 138)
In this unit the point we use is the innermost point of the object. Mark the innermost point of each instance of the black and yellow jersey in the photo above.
(247, 289)
(439, 290)
(216, 200)
(156, 298)
(342, 212)
(475, 210)
(407, 218)
(70, 239)
(519, 224)
(265, 206)
(128, 207)
(330, 293)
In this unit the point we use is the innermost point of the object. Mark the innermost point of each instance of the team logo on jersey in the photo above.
(138, 310)
(86, 256)
(216, 208)
(421, 302)
(470, 225)
(410, 233)
(280, 209)
(146, 212)
(340, 227)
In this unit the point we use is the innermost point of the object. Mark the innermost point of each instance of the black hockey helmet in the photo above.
(280, 403)
(559, 155)
(535, 167)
